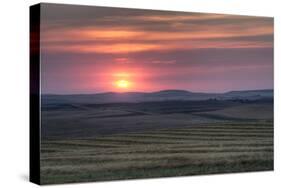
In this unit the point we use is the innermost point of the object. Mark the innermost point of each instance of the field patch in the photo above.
(201, 149)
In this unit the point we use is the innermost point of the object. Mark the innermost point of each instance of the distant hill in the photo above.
(164, 95)
(249, 94)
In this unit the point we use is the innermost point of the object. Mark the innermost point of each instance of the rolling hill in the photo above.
(164, 95)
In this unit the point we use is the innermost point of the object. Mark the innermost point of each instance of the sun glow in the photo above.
(122, 84)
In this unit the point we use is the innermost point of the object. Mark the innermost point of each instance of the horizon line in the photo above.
(154, 92)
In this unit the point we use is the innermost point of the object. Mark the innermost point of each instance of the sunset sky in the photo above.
(86, 49)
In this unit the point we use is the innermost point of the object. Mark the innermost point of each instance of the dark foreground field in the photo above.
(145, 140)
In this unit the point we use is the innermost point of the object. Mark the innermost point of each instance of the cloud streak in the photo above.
(115, 30)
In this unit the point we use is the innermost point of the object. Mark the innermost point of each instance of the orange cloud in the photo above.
(127, 39)
(124, 48)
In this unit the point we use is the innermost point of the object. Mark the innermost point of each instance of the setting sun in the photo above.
(122, 84)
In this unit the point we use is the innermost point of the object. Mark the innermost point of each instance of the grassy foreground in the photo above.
(193, 150)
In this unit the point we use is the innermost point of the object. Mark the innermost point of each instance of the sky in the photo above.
(87, 49)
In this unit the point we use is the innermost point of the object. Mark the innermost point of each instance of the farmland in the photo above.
(98, 142)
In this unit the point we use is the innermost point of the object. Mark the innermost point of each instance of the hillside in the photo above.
(164, 95)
